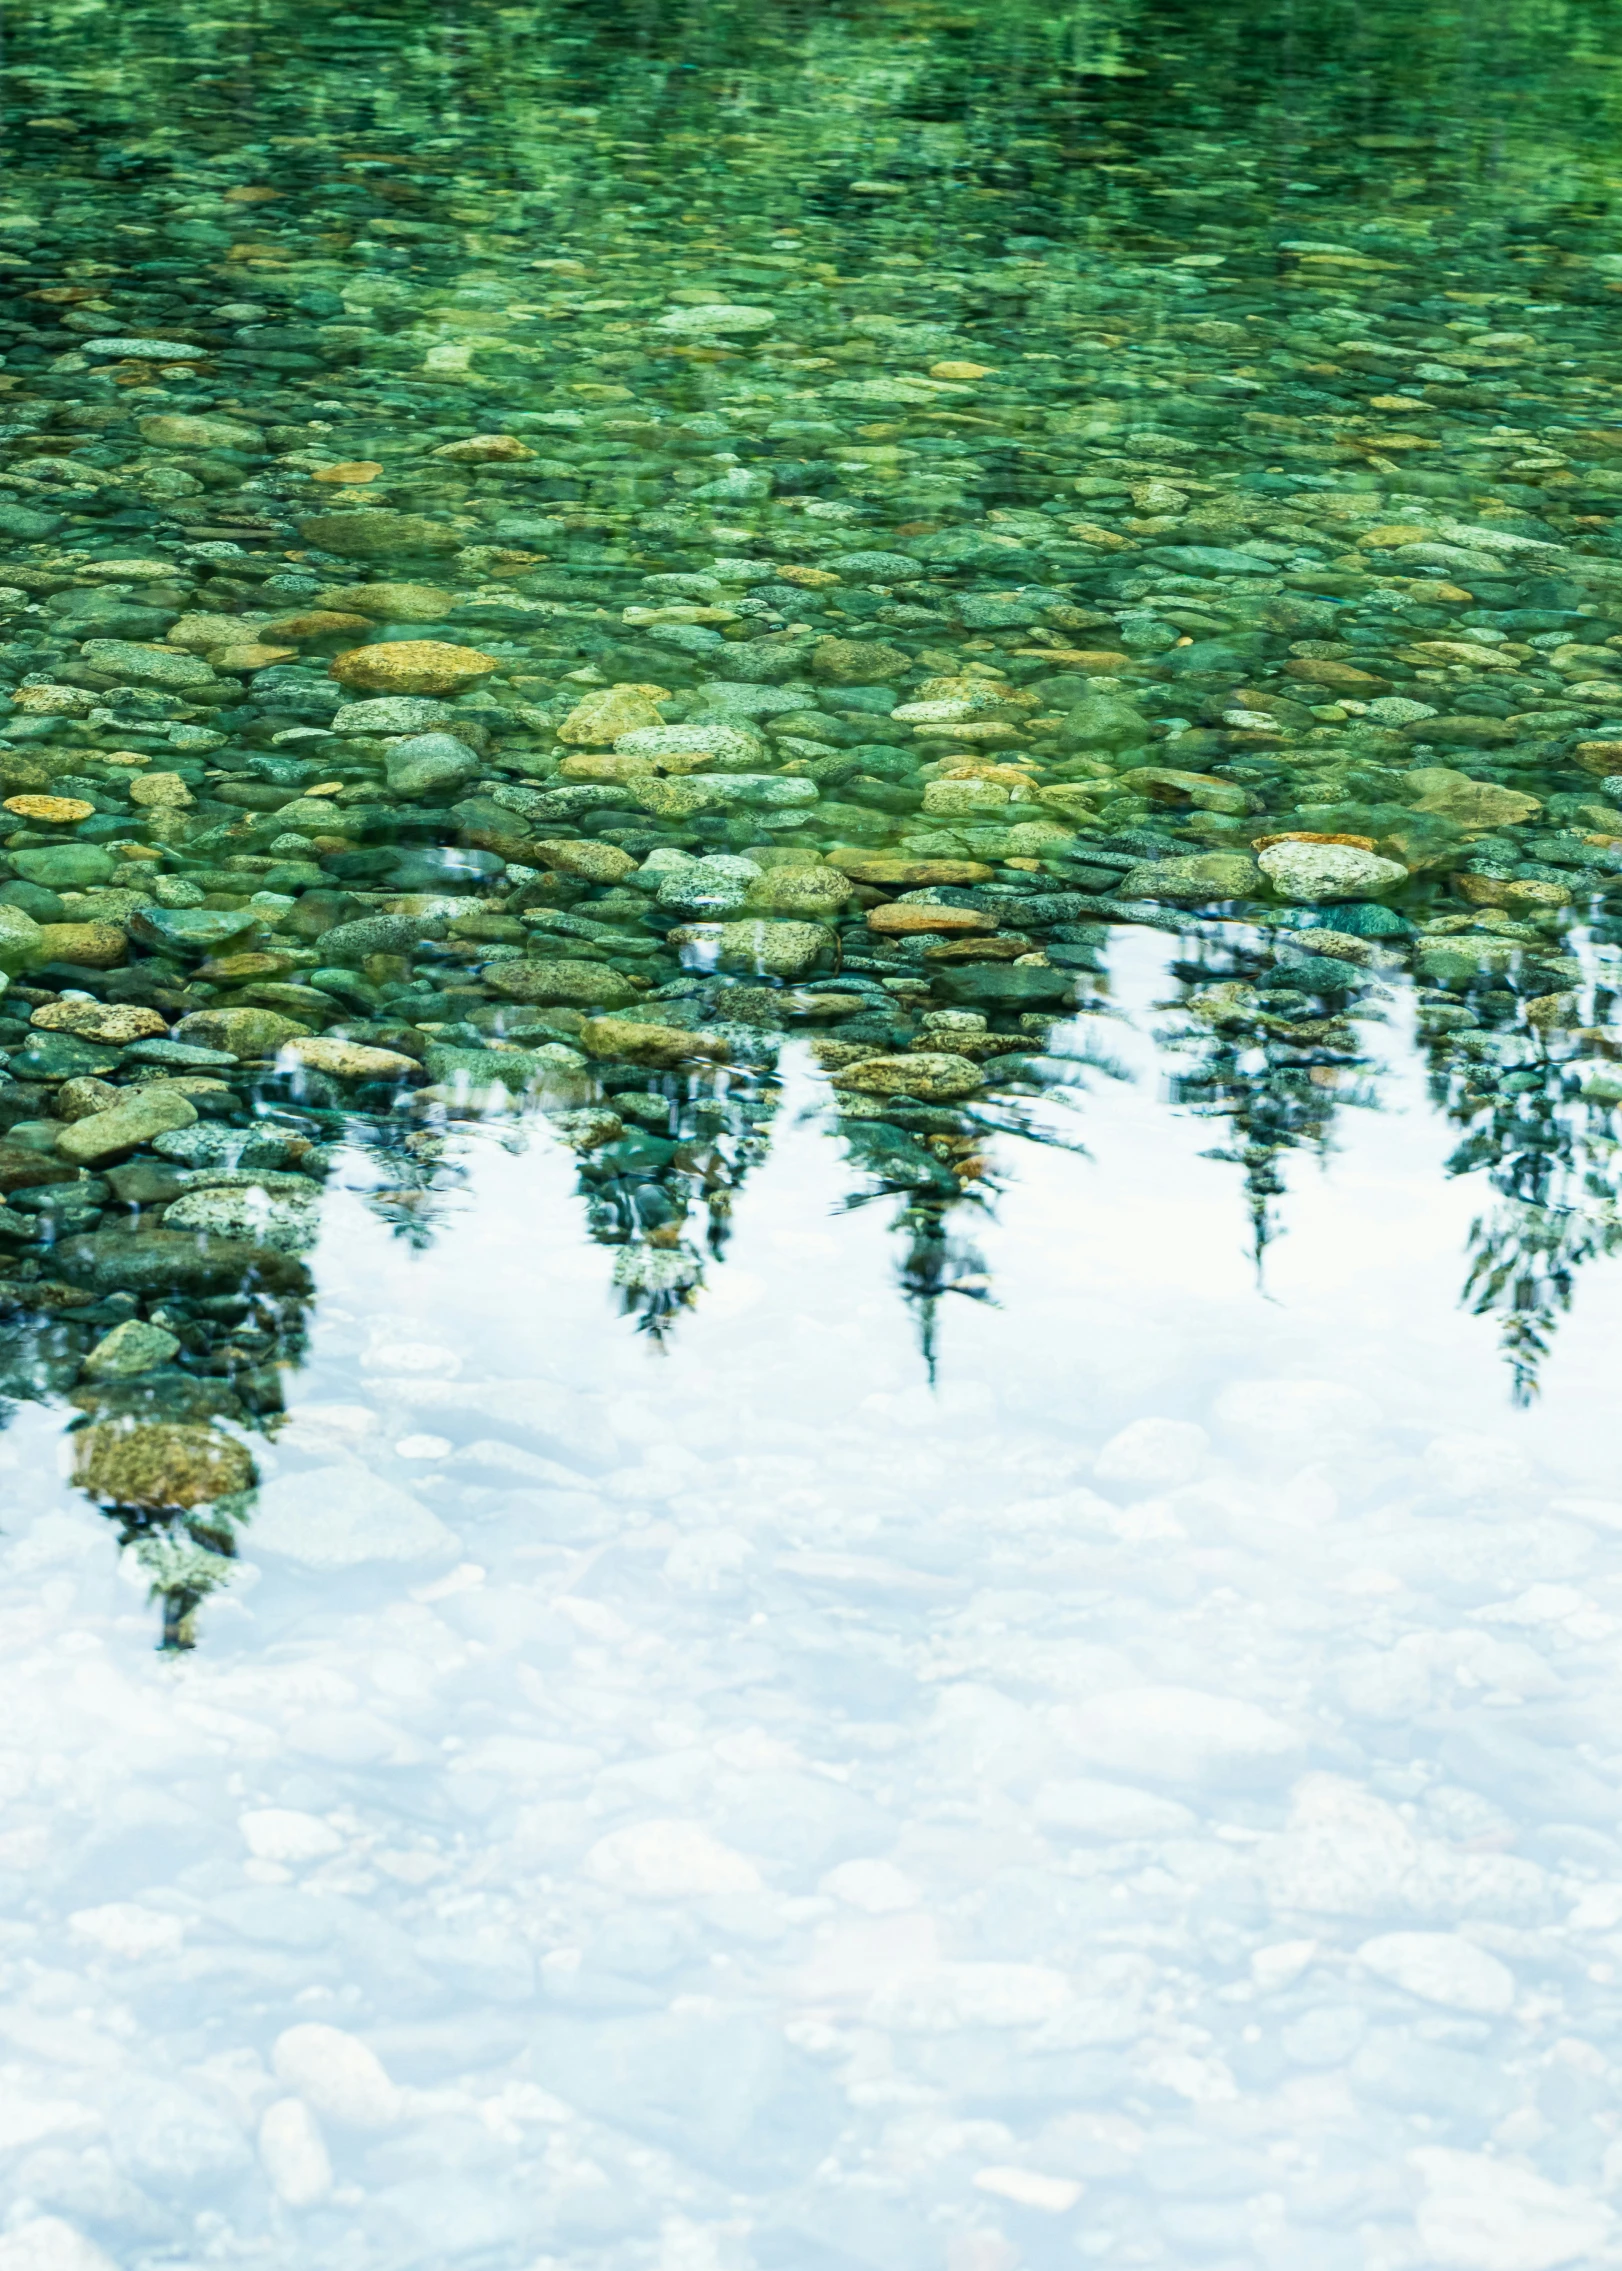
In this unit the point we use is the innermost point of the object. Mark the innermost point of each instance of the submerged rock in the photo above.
(160, 1467)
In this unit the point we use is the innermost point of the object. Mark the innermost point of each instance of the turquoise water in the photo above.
(807, 1136)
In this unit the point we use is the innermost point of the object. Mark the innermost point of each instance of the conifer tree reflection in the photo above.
(1271, 1048)
(1547, 1143)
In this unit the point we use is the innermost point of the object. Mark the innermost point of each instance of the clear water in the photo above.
(957, 1611)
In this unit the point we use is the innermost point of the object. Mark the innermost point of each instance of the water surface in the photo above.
(808, 1457)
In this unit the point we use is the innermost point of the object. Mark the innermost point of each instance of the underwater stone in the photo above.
(159, 1466)
(579, 985)
(156, 1109)
(1312, 873)
(412, 666)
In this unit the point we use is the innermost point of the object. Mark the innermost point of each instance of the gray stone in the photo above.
(130, 1349)
(191, 930)
(348, 944)
(393, 713)
(719, 885)
(287, 1225)
(105, 1136)
(134, 665)
(425, 762)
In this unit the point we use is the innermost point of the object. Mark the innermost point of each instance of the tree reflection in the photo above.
(1270, 1045)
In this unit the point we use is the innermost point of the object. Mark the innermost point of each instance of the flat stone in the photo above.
(94, 946)
(80, 1099)
(349, 1060)
(191, 930)
(63, 867)
(132, 664)
(377, 535)
(901, 918)
(724, 745)
(159, 1466)
(1194, 880)
(1440, 1967)
(1481, 2213)
(575, 985)
(183, 1056)
(151, 1111)
(56, 811)
(1309, 874)
(167, 791)
(412, 666)
(553, 1069)
(171, 429)
(165, 1261)
(130, 1349)
(100, 1020)
(718, 316)
(934, 1076)
(391, 714)
(761, 948)
(887, 871)
(256, 1216)
(393, 602)
(662, 1047)
(1004, 985)
(60, 1056)
(239, 1033)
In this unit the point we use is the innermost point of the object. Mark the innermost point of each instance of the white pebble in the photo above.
(878, 1888)
(1479, 2214)
(669, 1860)
(47, 2244)
(1027, 2189)
(277, 1833)
(1182, 1734)
(1155, 1453)
(294, 2154)
(125, 1928)
(339, 1517)
(337, 2075)
(1441, 1968)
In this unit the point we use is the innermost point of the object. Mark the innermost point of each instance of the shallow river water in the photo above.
(808, 1305)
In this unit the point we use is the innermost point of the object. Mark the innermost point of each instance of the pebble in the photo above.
(114, 1134)
(1482, 2214)
(841, 540)
(669, 1860)
(159, 1465)
(336, 2077)
(411, 666)
(1182, 1735)
(293, 2154)
(46, 2243)
(1312, 873)
(334, 1519)
(1441, 1968)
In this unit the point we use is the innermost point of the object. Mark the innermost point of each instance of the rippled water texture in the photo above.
(808, 1139)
